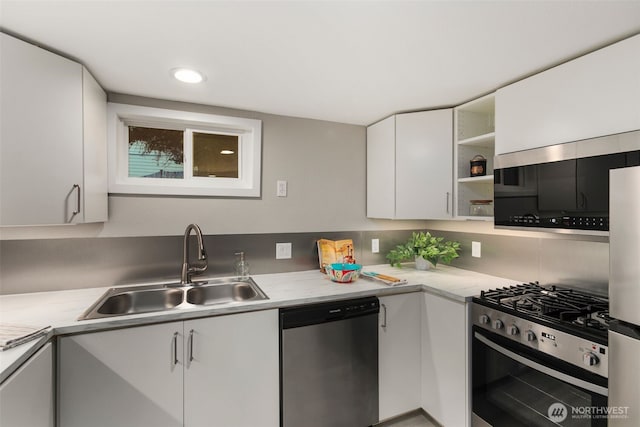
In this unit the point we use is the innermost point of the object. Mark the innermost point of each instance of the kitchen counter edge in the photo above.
(448, 282)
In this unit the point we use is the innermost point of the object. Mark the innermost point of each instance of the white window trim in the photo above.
(249, 152)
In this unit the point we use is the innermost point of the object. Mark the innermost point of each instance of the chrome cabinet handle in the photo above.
(447, 202)
(191, 345)
(384, 316)
(77, 211)
(175, 348)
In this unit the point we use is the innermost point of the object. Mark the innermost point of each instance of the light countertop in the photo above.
(61, 309)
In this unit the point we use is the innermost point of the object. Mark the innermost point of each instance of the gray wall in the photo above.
(325, 166)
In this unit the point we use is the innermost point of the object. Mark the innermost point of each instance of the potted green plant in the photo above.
(425, 249)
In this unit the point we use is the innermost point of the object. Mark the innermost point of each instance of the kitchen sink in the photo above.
(141, 301)
(221, 293)
(173, 296)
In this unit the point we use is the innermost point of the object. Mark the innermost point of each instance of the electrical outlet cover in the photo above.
(283, 250)
(375, 246)
(476, 248)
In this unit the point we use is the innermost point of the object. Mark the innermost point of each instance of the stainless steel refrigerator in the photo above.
(624, 297)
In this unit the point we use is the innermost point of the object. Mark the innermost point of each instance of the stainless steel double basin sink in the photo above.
(172, 296)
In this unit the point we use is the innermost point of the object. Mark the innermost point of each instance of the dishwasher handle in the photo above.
(314, 314)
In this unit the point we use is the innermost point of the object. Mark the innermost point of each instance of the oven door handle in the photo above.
(594, 388)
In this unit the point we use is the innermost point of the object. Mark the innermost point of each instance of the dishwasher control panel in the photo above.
(293, 317)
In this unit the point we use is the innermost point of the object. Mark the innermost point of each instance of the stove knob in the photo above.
(497, 324)
(484, 319)
(530, 335)
(590, 359)
(513, 330)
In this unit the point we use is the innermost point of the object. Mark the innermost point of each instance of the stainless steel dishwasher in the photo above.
(329, 364)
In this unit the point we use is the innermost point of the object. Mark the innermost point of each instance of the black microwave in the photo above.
(562, 188)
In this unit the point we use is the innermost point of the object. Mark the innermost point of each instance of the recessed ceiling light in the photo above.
(226, 152)
(187, 75)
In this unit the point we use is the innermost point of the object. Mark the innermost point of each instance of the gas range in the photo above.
(565, 323)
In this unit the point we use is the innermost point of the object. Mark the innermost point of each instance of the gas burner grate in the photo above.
(590, 323)
(553, 303)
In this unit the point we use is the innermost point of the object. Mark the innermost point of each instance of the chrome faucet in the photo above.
(188, 271)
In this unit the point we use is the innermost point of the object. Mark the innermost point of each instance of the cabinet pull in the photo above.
(384, 316)
(191, 345)
(447, 202)
(175, 348)
(77, 187)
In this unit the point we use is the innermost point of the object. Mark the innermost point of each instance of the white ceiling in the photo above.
(345, 61)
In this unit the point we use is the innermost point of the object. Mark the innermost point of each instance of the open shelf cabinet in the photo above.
(474, 133)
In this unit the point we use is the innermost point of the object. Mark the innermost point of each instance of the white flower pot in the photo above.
(422, 264)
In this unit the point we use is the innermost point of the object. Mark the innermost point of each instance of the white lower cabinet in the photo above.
(225, 373)
(399, 354)
(445, 361)
(124, 377)
(26, 397)
(232, 374)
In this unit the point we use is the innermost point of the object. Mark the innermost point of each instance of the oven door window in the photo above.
(522, 391)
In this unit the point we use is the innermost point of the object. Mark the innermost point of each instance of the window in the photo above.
(215, 155)
(155, 153)
(169, 152)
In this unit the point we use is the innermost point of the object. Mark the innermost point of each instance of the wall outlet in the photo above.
(476, 249)
(375, 246)
(283, 250)
(281, 189)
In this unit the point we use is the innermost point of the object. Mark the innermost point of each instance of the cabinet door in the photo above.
(399, 355)
(594, 95)
(445, 360)
(381, 157)
(40, 136)
(124, 377)
(94, 122)
(26, 397)
(232, 371)
(424, 165)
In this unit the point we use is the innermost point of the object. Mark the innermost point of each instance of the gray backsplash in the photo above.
(57, 264)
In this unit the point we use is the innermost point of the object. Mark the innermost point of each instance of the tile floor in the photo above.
(414, 419)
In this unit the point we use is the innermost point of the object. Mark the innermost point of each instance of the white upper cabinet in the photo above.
(381, 171)
(53, 139)
(410, 166)
(594, 95)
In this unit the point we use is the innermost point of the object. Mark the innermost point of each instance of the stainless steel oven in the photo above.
(531, 371)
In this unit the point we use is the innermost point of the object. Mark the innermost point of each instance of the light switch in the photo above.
(281, 190)
(476, 249)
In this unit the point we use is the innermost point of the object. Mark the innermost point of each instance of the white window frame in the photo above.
(249, 132)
